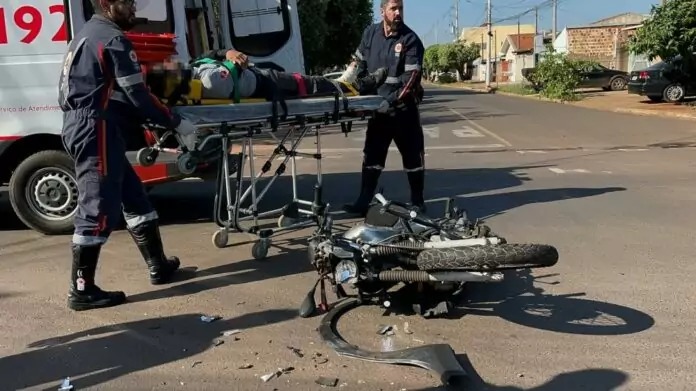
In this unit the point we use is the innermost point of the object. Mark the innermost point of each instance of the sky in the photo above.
(431, 19)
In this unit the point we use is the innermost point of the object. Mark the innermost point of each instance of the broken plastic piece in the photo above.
(209, 319)
(268, 377)
(326, 381)
(438, 358)
(296, 351)
(383, 329)
(65, 385)
(231, 332)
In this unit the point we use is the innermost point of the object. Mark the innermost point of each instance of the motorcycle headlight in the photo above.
(346, 272)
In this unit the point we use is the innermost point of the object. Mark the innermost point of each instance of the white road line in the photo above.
(431, 148)
(525, 152)
(562, 171)
(481, 128)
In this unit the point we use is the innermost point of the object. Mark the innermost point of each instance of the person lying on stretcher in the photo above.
(226, 74)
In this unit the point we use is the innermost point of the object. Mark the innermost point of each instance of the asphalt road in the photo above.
(613, 192)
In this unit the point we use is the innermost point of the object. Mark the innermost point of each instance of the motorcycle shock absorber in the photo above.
(405, 247)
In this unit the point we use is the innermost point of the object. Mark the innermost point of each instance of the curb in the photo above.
(577, 104)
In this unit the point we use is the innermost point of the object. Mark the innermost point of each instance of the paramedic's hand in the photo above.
(186, 128)
(384, 107)
(238, 58)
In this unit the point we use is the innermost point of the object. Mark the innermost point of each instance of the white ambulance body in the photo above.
(33, 40)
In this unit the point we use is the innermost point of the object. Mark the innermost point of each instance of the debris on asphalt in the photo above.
(327, 381)
(384, 329)
(407, 330)
(520, 375)
(278, 373)
(65, 385)
(246, 366)
(319, 359)
(210, 319)
(231, 332)
(218, 342)
(388, 344)
(196, 363)
(296, 351)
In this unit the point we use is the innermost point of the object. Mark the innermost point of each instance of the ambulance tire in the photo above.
(43, 192)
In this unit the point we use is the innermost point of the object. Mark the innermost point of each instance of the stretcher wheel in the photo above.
(221, 238)
(260, 249)
(147, 156)
(185, 164)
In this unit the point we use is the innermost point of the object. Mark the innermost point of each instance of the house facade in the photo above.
(605, 41)
(517, 53)
(500, 33)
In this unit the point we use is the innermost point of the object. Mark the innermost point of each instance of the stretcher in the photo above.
(221, 124)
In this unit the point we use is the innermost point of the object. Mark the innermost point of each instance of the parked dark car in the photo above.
(595, 76)
(667, 81)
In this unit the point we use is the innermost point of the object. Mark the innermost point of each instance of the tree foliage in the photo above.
(557, 76)
(332, 30)
(670, 31)
(450, 56)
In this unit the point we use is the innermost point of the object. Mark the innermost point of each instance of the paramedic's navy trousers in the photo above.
(107, 184)
(404, 128)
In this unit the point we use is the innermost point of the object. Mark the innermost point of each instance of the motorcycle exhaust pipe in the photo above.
(442, 276)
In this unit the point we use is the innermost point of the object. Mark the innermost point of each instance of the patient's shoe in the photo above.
(350, 75)
(370, 83)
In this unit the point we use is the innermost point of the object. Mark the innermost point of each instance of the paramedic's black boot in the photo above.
(84, 293)
(370, 178)
(147, 238)
(416, 180)
(370, 83)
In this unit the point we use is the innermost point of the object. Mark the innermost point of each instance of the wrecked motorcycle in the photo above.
(396, 244)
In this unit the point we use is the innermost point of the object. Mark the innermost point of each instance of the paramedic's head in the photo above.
(392, 13)
(121, 12)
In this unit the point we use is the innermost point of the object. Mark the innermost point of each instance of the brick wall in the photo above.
(597, 44)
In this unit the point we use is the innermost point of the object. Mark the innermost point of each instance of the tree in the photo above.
(431, 58)
(332, 30)
(669, 31)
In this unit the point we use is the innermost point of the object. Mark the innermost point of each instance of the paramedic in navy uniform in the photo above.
(393, 45)
(102, 95)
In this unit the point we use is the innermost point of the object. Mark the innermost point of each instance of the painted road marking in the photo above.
(433, 132)
(562, 171)
(525, 152)
(481, 128)
(427, 148)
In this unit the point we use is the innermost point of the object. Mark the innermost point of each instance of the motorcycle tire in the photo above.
(488, 258)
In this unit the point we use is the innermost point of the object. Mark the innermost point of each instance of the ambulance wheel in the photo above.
(185, 164)
(221, 238)
(147, 156)
(43, 192)
(260, 249)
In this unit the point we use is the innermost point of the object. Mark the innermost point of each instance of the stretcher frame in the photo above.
(244, 122)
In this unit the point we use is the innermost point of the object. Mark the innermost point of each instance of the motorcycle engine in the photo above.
(346, 272)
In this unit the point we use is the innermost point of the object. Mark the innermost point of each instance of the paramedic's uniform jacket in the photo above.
(102, 94)
(402, 54)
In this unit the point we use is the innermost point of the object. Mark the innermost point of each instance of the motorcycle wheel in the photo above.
(487, 258)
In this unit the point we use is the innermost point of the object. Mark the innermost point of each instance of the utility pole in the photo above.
(555, 19)
(536, 20)
(456, 20)
(490, 37)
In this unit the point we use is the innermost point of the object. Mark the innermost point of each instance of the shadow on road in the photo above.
(519, 301)
(291, 262)
(595, 379)
(102, 354)
(192, 202)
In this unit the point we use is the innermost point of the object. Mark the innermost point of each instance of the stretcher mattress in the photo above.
(313, 108)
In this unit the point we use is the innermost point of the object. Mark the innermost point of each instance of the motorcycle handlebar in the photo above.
(403, 211)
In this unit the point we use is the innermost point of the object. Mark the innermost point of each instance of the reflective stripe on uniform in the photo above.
(88, 240)
(392, 80)
(134, 221)
(412, 67)
(130, 80)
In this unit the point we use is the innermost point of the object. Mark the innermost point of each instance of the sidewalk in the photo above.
(616, 101)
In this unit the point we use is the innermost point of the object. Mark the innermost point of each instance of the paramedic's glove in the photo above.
(186, 128)
(384, 107)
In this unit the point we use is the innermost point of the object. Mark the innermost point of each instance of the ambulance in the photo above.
(34, 35)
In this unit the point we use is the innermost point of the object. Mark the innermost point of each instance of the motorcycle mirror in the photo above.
(308, 305)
